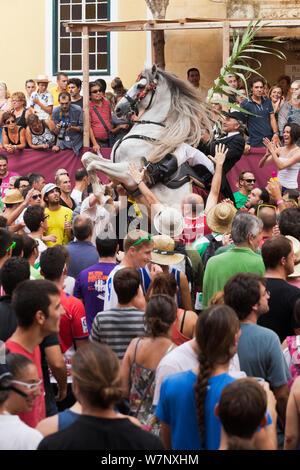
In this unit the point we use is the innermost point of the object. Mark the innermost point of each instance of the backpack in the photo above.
(188, 271)
(211, 249)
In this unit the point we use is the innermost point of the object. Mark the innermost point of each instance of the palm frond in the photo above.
(241, 64)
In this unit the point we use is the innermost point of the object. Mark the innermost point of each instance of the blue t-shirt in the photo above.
(259, 127)
(82, 255)
(260, 355)
(177, 408)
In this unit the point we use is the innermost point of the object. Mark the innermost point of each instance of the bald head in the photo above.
(192, 205)
(82, 227)
(268, 217)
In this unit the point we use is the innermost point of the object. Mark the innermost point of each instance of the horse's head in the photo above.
(140, 94)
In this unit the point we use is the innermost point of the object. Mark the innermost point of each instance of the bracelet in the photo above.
(276, 133)
(280, 202)
(140, 181)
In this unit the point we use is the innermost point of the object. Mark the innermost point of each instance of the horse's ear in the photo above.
(154, 70)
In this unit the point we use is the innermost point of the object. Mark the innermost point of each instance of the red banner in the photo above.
(47, 162)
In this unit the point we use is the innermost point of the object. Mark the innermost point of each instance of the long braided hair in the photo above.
(215, 335)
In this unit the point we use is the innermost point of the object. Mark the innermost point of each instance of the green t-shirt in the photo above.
(220, 268)
(240, 199)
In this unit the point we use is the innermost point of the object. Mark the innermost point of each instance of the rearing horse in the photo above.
(172, 114)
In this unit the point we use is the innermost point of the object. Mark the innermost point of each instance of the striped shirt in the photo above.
(117, 327)
(105, 112)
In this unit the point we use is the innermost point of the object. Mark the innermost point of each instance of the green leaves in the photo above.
(240, 63)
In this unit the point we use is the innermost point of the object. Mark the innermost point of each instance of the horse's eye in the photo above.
(142, 83)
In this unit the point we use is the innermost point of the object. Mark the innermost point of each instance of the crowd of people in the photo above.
(53, 119)
(180, 337)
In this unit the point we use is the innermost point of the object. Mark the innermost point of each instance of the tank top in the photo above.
(47, 137)
(146, 280)
(21, 120)
(9, 139)
(177, 335)
(288, 177)
(65, 418)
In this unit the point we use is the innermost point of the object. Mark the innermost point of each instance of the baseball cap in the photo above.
(238, 115)
(48, 187)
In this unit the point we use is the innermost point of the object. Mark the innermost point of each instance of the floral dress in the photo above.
(141, 394)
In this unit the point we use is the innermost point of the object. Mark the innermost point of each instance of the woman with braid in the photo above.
(187, 399)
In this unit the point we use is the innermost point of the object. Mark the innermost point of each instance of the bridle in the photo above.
(133, 103)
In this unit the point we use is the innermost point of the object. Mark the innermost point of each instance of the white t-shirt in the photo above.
(99, 215)
(185, 358)
(16, 435)
(110, 297)
(77, 196)
(46, 99)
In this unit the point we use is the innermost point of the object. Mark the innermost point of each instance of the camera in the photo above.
(62, 131)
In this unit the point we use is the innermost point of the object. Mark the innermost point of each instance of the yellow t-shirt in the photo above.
(56, 222)
(54, 91)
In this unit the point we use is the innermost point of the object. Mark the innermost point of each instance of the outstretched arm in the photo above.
(220, 155)
(138, 176)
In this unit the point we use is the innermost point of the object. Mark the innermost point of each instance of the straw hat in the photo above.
(42, 79)
(163, 251)
(169, 222)
(296, 248)
(12, 196)
(219, 218)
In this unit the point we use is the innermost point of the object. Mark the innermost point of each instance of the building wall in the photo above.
(195, 48)
(26, 48)
(22, 51)
(132, 45)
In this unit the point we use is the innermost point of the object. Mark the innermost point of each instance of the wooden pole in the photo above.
(226, 52)
(85, 76)
(226, 42)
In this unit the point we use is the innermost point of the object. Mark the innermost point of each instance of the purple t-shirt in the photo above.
(5, 182)
(90, 287)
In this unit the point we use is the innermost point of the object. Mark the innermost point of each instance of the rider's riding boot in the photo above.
(161, 171)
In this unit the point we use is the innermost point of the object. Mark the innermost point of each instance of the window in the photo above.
(68, 46)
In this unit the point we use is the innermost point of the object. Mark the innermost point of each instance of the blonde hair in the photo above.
(3, 85)
(134, 236)
(19, 95)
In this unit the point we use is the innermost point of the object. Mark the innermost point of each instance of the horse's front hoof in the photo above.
(87, 158)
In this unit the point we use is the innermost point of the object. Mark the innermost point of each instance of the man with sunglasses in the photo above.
(246, 182)
(100, 117)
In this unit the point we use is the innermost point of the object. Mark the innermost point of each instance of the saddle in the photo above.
(198, 175)
(167, 172)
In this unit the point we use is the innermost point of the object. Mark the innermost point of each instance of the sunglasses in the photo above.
(45, 217)
(10, 122)
(29, 387)
(248, 180)
(37, 196)
(148, 237)
(96, 91)
(11, 246)
(62, 174)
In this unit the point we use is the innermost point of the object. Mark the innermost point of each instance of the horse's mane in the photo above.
(186, 119)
